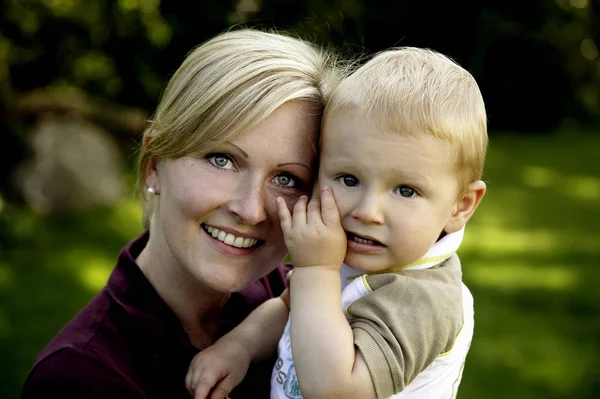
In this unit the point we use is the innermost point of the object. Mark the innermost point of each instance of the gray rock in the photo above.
(75, 165)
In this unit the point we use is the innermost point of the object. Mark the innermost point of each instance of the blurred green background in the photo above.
(90, 72)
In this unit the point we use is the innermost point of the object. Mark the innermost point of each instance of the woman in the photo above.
(237, 126)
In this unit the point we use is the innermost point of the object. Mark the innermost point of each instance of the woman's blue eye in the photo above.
(220, 161)
(348, 181)
(286, 180)
(405, 191)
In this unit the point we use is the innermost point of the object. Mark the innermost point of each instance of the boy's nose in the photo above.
(368, 210)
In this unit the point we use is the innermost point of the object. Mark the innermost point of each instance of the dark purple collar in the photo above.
(150, 318)
(151, 322)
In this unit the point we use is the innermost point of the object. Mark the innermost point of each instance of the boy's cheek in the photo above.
(342, 200)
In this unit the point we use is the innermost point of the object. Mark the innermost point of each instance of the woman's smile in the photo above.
(231, 245)
(235, 239)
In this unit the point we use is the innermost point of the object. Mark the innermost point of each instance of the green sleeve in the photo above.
(408, 319)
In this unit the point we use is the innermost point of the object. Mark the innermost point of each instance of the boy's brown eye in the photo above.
(348, 181)
(405, 191)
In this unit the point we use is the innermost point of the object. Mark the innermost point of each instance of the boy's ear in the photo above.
(465, 206)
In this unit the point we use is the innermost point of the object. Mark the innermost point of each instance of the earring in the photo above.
(151, 190)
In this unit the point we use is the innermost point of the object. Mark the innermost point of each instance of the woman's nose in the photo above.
(248, 205)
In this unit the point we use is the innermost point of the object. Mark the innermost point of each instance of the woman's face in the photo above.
(216, 218)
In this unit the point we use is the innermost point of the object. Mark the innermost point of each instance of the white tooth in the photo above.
(246, 243)
(222, 236)
(209, 229)
(229, 239)
(254, 241)
(215, 233)
(239, 241)
(363, 240)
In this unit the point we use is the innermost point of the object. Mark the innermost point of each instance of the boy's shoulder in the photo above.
(409, 318)
(446, 273)
(432, 296)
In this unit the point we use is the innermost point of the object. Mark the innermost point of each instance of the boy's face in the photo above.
(395, 193)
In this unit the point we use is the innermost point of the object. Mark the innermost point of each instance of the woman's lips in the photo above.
(231, 239)
(231, 249)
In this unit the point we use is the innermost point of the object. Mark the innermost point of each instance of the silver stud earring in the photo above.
(151, 190)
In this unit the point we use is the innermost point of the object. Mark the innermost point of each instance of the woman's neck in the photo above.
(198, 307)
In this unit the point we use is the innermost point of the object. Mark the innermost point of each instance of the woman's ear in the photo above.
(465, 206)
(152, 176)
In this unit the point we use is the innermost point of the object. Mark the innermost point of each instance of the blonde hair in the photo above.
(411, 90)
(228, 85)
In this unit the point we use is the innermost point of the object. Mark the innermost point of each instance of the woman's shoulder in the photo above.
(74, 372)
(77, 360)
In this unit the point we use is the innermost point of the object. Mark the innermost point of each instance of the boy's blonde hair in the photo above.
(228, 85)
(411, 90)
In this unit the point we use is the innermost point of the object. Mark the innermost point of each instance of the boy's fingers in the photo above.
(223, 388)
(202, 389)
(313, 212)
(331, 215)
(201, 384)
(299, 215)
(285, 218)
(188, 382)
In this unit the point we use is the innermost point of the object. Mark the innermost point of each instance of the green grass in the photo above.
(49, 269)
(530, 257)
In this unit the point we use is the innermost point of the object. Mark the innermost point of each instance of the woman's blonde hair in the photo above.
(412, 90)
(228, 85)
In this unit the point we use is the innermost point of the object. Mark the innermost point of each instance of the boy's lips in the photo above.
(363, 239)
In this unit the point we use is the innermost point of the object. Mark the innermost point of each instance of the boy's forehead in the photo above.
(348, 125)
(373, 121)
(352, 137)
(391, 156)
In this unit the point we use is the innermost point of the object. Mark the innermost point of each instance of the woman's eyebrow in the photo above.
(242, 151)
(293, 163)
(279, 165)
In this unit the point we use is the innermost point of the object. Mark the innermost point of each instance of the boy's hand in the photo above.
(216, 370)
(313, 234)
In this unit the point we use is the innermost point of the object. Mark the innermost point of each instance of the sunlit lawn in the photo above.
(530, 258)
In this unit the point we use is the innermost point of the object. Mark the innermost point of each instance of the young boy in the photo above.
(403, 146)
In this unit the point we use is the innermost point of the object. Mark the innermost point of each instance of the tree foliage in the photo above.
(536, 61)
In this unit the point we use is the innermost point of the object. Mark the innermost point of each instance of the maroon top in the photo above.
(127, 343)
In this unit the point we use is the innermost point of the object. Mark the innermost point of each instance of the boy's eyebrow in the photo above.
(293, 163)
(242, 151)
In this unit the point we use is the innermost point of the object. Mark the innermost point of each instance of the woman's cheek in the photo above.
(289, 197)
